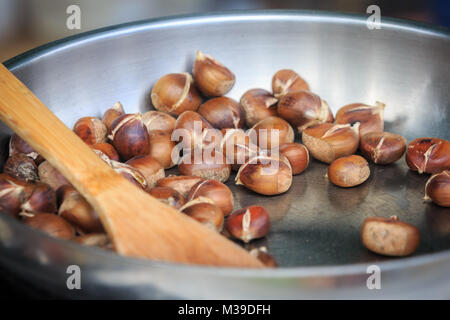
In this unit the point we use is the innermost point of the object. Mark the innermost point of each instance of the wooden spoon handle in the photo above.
(137, 224)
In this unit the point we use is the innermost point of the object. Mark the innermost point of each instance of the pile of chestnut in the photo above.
(141, 147)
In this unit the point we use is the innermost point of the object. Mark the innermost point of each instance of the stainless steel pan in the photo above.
(315, 234)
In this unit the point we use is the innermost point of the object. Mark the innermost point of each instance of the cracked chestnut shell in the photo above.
(158, 121)
(168, 196)
(130, 173)
(91, 130)
(271, 132)
(215, 190)
(237, 147)
(348, 171)
(371, 118)
(112, 114)
(51, 224)
(212, 78)
(248, 223)
(41, 199)
(206, 212)
(208, 164)
(382, 147)
(150, 168)
(428, 155)
(437, 188)
(182, 184)
(175, 93)
(222, 112)
(298, 156)
(13, 193)
(21, 167)
(18, 145)
(286, 81)
(258, 104)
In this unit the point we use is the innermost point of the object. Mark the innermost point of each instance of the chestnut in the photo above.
(349, 171)
(150, 168)
(130, 136)
(262, 255)
(75, 209)
(218, 192)
(112, 114)
(193, 129)
(222, 112)
(265, 174)
(91, 130)
(168, 196)
(107, 149)
(182, 184)
(51, 176)
(303, 109)
(437, 188)
(41, 199)
(158, 121)
(258, 104)
(248, 223)
(270, 132)
(161, 148)
(286, 81)
(18, 145)
(371, 118)
(204, 211)
(212, 78)
(326, 142)
(207, 164)
(100, 240)
(429, 155)
(21, 167)
(237, 147)
(382, 147)
(297, 154)
(13, 193)
(131, 174)
(389, 237)
(51, 224)
(175, 93)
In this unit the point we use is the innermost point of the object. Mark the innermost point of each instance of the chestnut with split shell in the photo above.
(437, 188)
(18, 145)
(182, 184)
(286, 81)
(248, 223)
(428, 155)
(158, 121)
(150, 168)
(371, 118)
(13, 193)
(222, 112)
(206, 212)
(21, 167)
(258, 104)
(91, 130)
(112, 114)
(382, 147)
(215, 190)
(271, 132)
(168, 196)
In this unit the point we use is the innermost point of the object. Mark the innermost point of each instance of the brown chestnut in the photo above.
(262, 255)
(18, 145)
(182, 184)
(91, 130)
(75, 209)
(429, 155)
(218, 192)
(371, 118)
(161, 148)
(42, 199)
(130, 136)
(51, 176)
(389, 237)
(158, 121)
(21, 167)
(107, 149)
(112, 114)
(248, 223)
(382, 147)
(327, 142)
(207, 164)
(437, 188)
(150, 168)
(212, 78)
(265, 174)
(51, 224)
(168, 196)
(286, 81)
(175, 93)
(130, 173)
(204, 211)
(100, 240)
(270, 132)
(303, 109)
(349, 171)
(222, 112)
(297, 154)
(195, 132)
(13, 193)
(258, 104)
(237, 147)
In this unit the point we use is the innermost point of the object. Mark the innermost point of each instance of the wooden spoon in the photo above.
(138, 224)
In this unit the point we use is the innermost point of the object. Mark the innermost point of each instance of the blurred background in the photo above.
(25, 24)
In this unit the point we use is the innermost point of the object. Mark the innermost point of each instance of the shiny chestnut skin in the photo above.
(150, 168)
(175, 93)
(51, 176)
(41, 199)
(215, 190)
(382, 147)
(286, 81)
(238, 148)
(248, 223)
(267, 175)
(428, 155)
(182, 184)
(258, 104)
(18, 145)
(222, 112)
(168, 196)
(262, 255)
(161, 148)
(158, 121)
(212, 78)
(107, 149)
(206, 164)
(51, 224)
(270, 132)
(91, 130)
(348, 171)
(75, 209)
(130, 136)
(13, 193)
(112, 114)
(326, 142)
(130, 173)
(371, 118)
(297, 154)
(191, 131)
(389, 237)
(21, 167)
(206, 212)
(437, 188)
(303, 109)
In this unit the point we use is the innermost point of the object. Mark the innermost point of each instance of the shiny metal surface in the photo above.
(315, 231)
